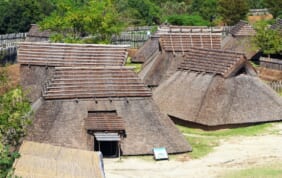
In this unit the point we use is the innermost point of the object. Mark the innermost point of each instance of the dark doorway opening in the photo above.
(108, 148)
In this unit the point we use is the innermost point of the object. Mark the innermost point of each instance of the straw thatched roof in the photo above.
(178, 39)
(200, 93)
(150, 47)
(36, 35)
(173, 47)
(62, 123)
(242, 28)
(98, 82)
(61, 54)
(72, 91)
(44, 160)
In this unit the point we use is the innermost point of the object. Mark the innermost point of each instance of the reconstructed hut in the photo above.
(97, 106)
(44, 160)
(39, 59)
(173, 47)
(151, 48)
(240, 39)
(242, 28)
(36, 35)
(216, 87)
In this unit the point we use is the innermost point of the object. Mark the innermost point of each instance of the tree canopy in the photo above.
(269, 41)
(75, 19)
(232, 11)
(16, 16)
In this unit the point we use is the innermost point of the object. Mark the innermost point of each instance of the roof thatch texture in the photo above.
(61, 54)
(61, 122)
(242, 28)
(212, 100)
(36, 35)
(242, 44)
(44, 160)
(104, 121)
(217, 62)
(147, 50)
(175, 42)
(97, 82)
(217, 88)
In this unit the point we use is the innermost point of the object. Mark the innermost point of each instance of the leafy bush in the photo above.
(191, 20)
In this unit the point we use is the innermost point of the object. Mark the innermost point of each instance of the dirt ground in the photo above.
(233, 154)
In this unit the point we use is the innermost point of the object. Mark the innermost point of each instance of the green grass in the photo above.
(266, 171)
(138, 67)
(203, 142)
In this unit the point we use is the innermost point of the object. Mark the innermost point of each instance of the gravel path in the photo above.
(234, 153)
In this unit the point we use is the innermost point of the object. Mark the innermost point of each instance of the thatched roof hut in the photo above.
(39, 59)
(242, 28)
(78, 98)
(198, 36)
(240, 39)
(94, 107)
(173, 47)
(215, 87)
(43, 160)
(36, 35)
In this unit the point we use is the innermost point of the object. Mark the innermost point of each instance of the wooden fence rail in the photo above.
(8, 46)
(276, 85)
(271, 63)
(133, 38)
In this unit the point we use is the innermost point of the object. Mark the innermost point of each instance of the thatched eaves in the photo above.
(242, 29)
(97, 82)
(214, 88)
(61, 54)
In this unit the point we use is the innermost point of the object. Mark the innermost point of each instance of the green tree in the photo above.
(14, 119)
(232, 11)
(256, 4)
(274, 6)
(191, 20)
(16, 16)
(204, 8)
(75, 19)
(269, 41)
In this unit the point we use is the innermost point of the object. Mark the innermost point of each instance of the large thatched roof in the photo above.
(62, 123)
(61, 54)
(98, 82)
(242, 28)
(174, 47)
(178, 39)
(44, 160)
(200, 93)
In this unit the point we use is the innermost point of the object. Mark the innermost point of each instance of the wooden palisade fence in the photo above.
(276, 85)
(271, 63)
(8, 46)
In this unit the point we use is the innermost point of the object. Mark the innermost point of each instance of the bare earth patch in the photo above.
(232, 154)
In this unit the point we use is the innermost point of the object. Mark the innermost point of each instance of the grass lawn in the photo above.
(264, 171)
(203, 142)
